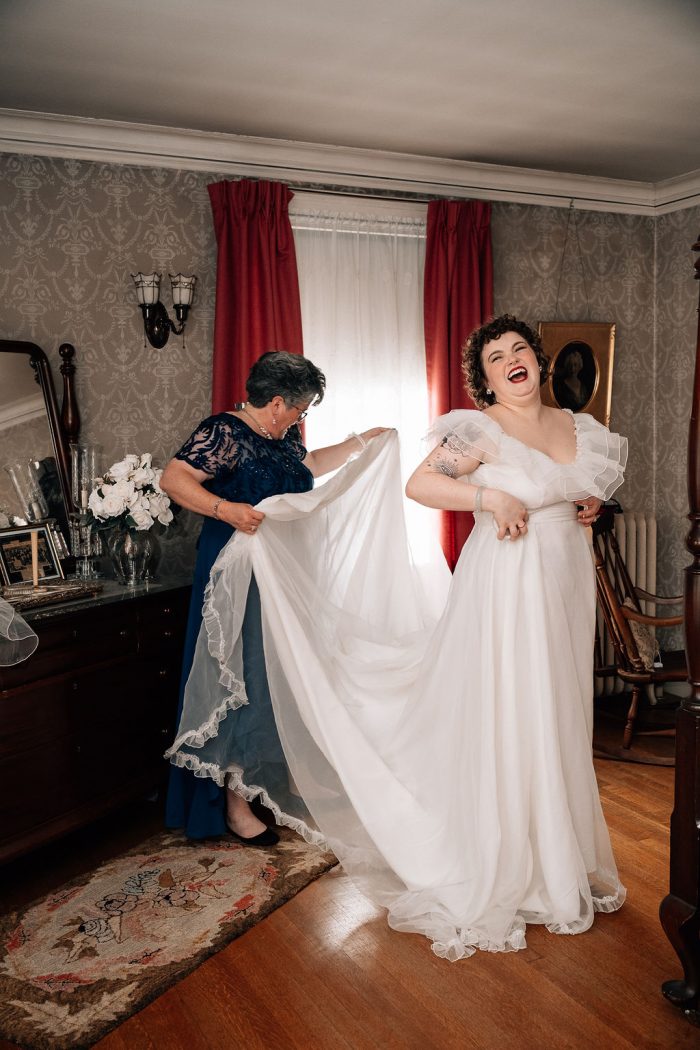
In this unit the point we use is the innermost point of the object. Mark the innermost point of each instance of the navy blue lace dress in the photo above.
(243, 467)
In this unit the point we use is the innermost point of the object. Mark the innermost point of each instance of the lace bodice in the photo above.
(244, 466)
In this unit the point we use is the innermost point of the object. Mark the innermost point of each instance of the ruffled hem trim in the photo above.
(467, 942)
(215, 637)
(237, 695)
(250, 792)
(612, 903)
(210, 729)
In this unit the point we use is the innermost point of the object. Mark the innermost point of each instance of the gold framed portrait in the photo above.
(580, 366)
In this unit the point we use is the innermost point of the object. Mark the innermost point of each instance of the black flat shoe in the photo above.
(268, 837)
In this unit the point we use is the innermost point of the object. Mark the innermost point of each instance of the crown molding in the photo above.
(674, 194)
(332, 167)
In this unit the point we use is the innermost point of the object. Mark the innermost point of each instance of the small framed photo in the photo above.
(580, 366)
(16, 555)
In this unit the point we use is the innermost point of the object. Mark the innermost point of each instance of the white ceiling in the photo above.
(605, 88)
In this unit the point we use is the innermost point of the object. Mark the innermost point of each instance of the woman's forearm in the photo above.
(443, 492)
(186, 490)
(323, 460)
(184, 484)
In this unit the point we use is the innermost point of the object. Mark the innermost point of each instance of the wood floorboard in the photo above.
(325, 972)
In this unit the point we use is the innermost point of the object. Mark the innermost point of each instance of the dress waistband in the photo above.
(540, 516)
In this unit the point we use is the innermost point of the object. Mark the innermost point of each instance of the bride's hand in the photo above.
(509, 514)
(588, 510)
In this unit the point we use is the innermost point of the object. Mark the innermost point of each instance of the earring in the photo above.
(489, 391)
(274, 421)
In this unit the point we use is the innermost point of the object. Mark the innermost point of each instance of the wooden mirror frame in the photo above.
(64, 427)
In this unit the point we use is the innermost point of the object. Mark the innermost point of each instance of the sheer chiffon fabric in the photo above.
(17, 640)
(437, 736)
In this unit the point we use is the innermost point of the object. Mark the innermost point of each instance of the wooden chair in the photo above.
(620, 604)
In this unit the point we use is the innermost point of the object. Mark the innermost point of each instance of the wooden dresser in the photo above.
(84, 721)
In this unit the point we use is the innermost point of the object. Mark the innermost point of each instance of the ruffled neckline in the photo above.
(531, 448)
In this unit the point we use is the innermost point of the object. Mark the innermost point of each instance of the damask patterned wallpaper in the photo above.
(71, 232)
(610, 279)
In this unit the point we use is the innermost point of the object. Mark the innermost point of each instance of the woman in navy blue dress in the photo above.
(231, 462)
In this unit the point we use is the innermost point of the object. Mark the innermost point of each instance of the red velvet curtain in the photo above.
(458, 296)
(257, 288)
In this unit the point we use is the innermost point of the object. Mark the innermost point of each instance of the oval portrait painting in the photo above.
(575, 375)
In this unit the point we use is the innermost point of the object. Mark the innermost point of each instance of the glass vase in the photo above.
(85, 542)
(25, 480)
(134, 555)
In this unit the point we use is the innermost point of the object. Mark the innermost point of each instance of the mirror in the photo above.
(32, 440)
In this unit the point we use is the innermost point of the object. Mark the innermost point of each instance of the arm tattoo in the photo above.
(442, 467)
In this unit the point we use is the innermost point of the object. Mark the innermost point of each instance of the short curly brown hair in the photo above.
(472, 368)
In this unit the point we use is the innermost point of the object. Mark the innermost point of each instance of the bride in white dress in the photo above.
(437, 738)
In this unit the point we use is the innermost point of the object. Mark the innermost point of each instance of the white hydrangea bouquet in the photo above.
(129, 496)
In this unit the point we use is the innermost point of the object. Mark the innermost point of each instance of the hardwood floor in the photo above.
(324, 972)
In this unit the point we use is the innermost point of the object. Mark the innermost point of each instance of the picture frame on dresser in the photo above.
(581, 357)
(16, 555)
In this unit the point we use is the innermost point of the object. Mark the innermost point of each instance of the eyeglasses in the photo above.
(302, 414)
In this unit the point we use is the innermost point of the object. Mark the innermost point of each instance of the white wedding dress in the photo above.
(436, 736)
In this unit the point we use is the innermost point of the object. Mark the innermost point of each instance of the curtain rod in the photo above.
(358, 191)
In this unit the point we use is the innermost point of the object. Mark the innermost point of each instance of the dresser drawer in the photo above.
(75, 641)
(85, 721)
(34, 716)
(162, 625)
(37, 786)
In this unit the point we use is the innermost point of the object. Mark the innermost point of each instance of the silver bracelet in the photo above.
(359, 437)
(477, 499)
(215, 508)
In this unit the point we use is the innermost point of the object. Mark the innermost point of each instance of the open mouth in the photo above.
(517, 374)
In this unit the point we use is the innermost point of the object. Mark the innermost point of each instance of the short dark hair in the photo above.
(472, 368)
(291, 376)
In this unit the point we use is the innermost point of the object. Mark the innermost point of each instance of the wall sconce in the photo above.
(157, 325)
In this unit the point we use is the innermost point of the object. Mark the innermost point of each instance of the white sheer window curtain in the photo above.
(361, 286)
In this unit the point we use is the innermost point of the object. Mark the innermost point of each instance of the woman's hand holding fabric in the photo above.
(323, 460)
(374, 432)
(509, 514)
(242, 516)
(589, 509)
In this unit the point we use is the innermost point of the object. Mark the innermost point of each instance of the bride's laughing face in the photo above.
(511, 369)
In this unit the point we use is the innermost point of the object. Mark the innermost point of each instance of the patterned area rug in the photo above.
(79, 962)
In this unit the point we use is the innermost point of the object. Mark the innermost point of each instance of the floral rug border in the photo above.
(144, 988)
